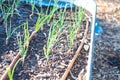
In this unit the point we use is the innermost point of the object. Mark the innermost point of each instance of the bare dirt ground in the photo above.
(107, 48)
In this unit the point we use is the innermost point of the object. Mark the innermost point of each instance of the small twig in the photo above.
(4, 76)
(76, 54)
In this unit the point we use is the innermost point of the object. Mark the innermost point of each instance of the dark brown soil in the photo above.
(36, 67)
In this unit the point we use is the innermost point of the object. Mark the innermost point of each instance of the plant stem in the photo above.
(33, 35)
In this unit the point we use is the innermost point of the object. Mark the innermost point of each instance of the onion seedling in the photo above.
(23, 46)
(7, 11)
(32, 3)
(61, 18)
(79, 18)
(72, 35)
(33, 7)
(9, 32)
(42, 20)
(80, 14)
(6, 14)
(16, 5)
(48, 7)
(11, 71)
(54, 33)
(26, 35)
(75, 25)
(72, 31)
(52, 39)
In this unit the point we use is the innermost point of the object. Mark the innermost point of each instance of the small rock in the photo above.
(86, 47)
(10, 51)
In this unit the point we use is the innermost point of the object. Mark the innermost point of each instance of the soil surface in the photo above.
(107, 48)
(36, 67)
(106, 52)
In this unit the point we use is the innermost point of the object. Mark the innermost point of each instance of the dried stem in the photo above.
(32, 36)
(76, 54)
(4, 76)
